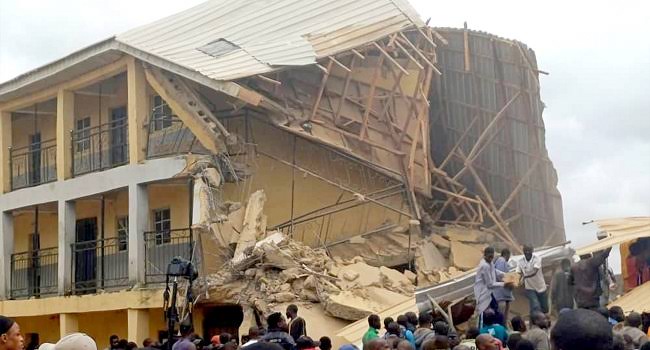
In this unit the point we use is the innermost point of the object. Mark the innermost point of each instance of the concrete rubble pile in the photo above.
(243, 263)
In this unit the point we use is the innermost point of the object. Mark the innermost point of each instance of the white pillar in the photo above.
(138, 224)
(67, 225)
(6, 248)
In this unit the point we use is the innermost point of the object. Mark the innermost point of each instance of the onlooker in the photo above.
(402, 320)
(185, 343)
(616, 315)
(562, 288)
(405, 345)
(374, 324)
(632, 330)
(525, 345)
(325, 343)
(493, 328)
(215, 342)
(503, 294)
(530, 267)
(306, 343)
(76, 341)
(470, 338)
(148, 344)
(376, 343)
(113, 342)
(277, 333)
(393, 332)
(253, 336)
(412, 321)
(297, 325)
(11, 338)
(264, 346)
(537, 334)
(586, 281)
(518, 324)
(424, 331)
(131, 346)
(513, 340)
(486, 342)
(388, 320)
(122, 344)
(581, 330)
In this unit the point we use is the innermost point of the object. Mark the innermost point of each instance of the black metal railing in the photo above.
(34, 273)
(100, 147)
(33, 165)
(99, 264)
(161, 247)
(168, 136)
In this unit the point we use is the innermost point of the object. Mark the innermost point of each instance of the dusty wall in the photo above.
(310, 193)
(24, 226)
(47, 327)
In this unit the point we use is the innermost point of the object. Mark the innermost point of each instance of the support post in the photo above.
(67, 223)
(138, 224)
(5, 152)
(64, 124)
(68, 323)
(7, 248)
(138, 110)
(138, 325)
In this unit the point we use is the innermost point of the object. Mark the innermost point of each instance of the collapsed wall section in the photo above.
(487, 133)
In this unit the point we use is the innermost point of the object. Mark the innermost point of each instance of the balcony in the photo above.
(99, 265)
(33, 165)
(161, 247)
(101, 147)
(34, 273)
(168, 136)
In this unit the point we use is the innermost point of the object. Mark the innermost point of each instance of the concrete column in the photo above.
(6, 249)
(5, 154)
(68, 323)
(138, 110)
(64, 123)
(138, 224)
(138, 325)
(67, 223)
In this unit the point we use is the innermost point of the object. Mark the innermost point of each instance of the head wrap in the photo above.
(5, 324)
(76, 341)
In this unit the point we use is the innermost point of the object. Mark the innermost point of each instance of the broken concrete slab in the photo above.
(440, 242)
(464, 256)
(254, 224)
(429, 257)
(357, 304)
(361, 274)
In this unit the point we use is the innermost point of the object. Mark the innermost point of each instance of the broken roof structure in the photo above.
(376, 138)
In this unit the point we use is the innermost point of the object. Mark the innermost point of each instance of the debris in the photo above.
(254, 224)
(429, 257)
(464, 256)
(357, 304)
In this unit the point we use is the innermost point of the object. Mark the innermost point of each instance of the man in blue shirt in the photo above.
(492, 327)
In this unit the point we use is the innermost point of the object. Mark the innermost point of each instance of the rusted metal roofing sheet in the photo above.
(268, 34)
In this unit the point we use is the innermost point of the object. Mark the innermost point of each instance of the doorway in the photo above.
(86, 255)
(222, 319)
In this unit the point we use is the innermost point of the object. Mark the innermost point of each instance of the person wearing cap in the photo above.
(76, 341)
(306, 343)
(10, 336)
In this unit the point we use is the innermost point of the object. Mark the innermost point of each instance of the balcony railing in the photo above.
(161, 247)
(99, 264)
(34, 273)
(33, 165)
(100, 147)
(168, 136)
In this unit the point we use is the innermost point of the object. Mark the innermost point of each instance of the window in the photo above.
(122, 233)
(82, 134)
(162, 224)
(161, 116)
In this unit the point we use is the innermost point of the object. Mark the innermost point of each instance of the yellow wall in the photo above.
(24, 226)
(47, 327)
(101, 325)
(172, 196)
(116, 204)
(310, 193)
(90, 106)
(24, 126)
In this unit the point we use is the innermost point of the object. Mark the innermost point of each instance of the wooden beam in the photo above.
(344, 94)
(358, 138)
(405, 51)
(187, 107)
(268, 80)
(455, 195)
(459, 142)
(466, 48)
(391, 59)
(417, 50)
(373, 85)
(79, 82)
(338, 63)
(323, 83)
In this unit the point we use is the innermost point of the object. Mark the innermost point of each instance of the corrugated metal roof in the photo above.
(618, 231)
(270, 33)
(638, 299)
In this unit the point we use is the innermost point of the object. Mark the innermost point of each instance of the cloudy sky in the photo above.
(598, 108)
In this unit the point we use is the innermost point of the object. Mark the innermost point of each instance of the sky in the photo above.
(597, 53)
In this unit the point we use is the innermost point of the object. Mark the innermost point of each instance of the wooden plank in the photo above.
(391, 59)
(358, 138)
(344, 94)
(338, 63)
(373, 85)
(414, 48)
(459, 142)
(268, 80)
(466, 48)
(517, 188)
(323, 83)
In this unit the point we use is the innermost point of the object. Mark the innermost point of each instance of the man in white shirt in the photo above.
(530, 267)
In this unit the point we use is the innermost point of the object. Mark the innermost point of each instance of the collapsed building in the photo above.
(340, 152)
